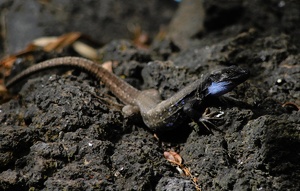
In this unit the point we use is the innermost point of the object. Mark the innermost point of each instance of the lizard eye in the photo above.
(234, 74)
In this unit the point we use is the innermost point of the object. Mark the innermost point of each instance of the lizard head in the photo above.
(225, 80)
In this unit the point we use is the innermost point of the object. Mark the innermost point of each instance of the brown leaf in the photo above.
(173, 157)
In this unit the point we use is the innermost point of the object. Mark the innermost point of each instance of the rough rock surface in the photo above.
(67, 132)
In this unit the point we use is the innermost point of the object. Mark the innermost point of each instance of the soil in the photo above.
(67, 131)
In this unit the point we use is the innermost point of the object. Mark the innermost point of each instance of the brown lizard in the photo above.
(157, 115)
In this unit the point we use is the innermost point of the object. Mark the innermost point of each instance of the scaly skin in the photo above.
(157, 115)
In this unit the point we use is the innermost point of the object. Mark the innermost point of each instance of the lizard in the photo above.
(158, 115)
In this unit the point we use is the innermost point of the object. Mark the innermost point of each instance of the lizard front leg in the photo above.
(196, 110)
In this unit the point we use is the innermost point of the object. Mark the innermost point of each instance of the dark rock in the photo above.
(67, 132)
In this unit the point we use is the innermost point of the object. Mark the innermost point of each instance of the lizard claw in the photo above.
(207, 116)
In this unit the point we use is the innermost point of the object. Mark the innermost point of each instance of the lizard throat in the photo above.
(219, 88)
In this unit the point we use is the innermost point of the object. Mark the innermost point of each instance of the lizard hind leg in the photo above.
(153, 93)
(130, 110)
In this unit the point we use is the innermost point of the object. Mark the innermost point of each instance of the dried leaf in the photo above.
(44, 41)
(291, 104)
(173, 157)
(108, 66)
(85, 50)
(62, 41)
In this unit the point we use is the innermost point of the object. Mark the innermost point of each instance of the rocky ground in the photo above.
(67, 132)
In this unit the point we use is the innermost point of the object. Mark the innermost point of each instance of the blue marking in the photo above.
(182, 102)
(219, 88)
(170, 124)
